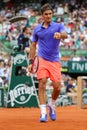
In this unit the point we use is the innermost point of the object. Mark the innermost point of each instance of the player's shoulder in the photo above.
(56, 24)
(59, 24)
(37, 28)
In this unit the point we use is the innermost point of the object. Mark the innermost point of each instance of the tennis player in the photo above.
(47, 35)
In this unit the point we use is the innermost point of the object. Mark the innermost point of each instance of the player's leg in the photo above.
(52, 105)
(42, 75)
(42, 99)
(55, 76)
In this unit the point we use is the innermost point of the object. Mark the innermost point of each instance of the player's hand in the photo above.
(30, 68)
(57, 35)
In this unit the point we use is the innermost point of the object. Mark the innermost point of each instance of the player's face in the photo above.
(47, 16)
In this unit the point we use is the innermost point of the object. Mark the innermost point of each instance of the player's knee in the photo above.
(57, 88)
(42, 83)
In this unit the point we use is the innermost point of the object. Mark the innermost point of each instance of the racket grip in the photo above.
(31, 61)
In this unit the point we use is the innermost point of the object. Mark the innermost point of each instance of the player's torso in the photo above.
(48, 45)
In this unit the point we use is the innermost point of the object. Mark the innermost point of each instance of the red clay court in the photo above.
(68, 118)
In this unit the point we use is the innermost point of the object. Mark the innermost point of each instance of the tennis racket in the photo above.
(35, 64)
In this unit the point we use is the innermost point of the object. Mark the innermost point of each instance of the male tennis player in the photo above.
(47, 35)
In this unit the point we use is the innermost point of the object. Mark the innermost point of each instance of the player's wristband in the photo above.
(31, 61)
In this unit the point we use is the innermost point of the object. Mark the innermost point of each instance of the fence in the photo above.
(82, 92)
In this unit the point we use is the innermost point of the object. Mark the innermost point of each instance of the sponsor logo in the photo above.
(21, 94)
(18, 59)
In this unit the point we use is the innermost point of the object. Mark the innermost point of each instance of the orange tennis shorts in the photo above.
(49, 69)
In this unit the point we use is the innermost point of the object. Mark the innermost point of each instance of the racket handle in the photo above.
(31, 61)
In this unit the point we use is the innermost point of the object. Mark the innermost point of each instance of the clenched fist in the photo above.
(62, 35)
(57, 35)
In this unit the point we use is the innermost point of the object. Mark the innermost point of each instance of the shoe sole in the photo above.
(44, 120)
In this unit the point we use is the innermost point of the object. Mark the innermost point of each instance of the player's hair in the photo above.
(45, 7)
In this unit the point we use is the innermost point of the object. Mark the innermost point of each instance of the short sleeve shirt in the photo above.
(48, 46)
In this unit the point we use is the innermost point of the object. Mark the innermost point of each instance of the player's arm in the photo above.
(62, 35)
(32, 54)
(33, 50)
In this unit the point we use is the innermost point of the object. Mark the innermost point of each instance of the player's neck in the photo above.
(46, 24)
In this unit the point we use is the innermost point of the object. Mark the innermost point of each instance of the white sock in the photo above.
(52, 105)
(43, 110)
(53, 102)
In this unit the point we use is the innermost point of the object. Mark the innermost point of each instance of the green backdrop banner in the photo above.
(77, 67)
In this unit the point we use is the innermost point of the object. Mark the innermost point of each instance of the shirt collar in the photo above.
(43, 23)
